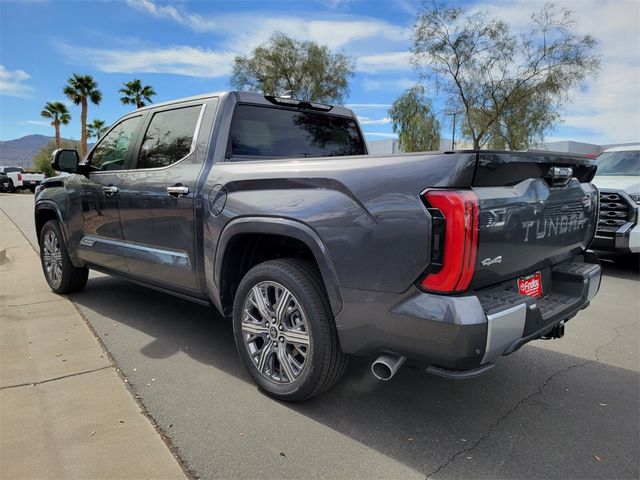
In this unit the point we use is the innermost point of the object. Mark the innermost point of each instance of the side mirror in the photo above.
(64, 160)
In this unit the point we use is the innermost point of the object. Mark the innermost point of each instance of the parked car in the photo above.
(18, 179)
(4, 182)
(271, 210)
(618, 180)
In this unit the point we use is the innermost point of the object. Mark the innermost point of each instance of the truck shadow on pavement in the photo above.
(538, 414)
(621, 266)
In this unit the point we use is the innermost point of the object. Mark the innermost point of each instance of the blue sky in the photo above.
(183, 48)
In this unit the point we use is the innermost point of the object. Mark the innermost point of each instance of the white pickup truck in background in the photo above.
(15, 178)
(618, 180)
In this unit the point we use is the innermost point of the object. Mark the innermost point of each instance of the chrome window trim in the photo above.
(192, 149)
(194, 140)
(122, 120)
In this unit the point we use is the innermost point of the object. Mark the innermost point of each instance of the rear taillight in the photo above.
(454, 244)
(19, 177)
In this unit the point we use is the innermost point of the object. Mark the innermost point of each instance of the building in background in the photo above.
(392, 145)
(570, 146)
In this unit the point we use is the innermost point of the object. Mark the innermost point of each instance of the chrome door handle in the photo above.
(178, 190)
(110, 190)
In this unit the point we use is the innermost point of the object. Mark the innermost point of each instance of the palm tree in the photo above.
(135, 94)
(97, 128)
(81, 89)
(59, 115)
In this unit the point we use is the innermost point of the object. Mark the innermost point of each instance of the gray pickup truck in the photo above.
(271, 210)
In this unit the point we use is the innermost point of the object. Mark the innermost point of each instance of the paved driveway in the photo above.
(555, 409)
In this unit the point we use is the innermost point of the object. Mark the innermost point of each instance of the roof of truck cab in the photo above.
(202, 96)
(242, 97)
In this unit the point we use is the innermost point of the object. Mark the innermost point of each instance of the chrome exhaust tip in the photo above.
(386, 366)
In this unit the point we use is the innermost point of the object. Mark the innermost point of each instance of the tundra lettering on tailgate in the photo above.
(550, 227)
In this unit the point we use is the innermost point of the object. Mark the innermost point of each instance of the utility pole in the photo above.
(453, 131)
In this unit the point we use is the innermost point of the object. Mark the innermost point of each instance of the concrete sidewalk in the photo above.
(64, 410)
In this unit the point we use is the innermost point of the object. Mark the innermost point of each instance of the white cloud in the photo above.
(176, 59)
(242, 32)
(12, 83)
(374, 121)
(191, 20)
(34, 123)
(614, 23)
(384, 62)
(607, 110)
(238, 34)
(393, 86)
(336, 3)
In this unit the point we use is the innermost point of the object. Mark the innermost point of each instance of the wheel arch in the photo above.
(45, 211)
(238, 249)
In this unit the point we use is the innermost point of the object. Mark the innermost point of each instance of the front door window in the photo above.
(111, 152)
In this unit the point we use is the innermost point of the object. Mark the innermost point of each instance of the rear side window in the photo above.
(276, 133)
(168, 137)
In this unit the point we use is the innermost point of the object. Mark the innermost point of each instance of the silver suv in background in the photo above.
(618, 179)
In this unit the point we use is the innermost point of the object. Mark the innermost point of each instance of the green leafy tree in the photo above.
(82, 89)
(97, 128)
(497, 78)
(134, 93)
(309, 71)
(58, 113)
(42, 159)
(523, 124)
(413, 120)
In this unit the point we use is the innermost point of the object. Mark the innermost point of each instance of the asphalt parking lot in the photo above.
(566, 408)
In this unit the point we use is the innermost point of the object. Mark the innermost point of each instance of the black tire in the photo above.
(69, 278)
(11, 188)
(32, 189)
(324, 362)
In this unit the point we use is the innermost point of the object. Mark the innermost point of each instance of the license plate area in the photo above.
(531, 285)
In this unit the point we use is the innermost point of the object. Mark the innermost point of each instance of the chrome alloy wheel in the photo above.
(52, 258)
(275, 332)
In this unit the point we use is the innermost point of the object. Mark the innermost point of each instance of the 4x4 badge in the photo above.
(490, 261)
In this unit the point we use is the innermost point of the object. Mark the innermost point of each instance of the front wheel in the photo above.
(285, 332)
(58, 270)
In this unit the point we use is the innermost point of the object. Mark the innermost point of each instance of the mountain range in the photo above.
(20, 151)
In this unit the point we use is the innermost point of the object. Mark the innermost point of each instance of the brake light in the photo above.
(460, 245)
(19, 177)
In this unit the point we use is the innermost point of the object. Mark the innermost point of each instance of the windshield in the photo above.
(619, 163)
(277, 133)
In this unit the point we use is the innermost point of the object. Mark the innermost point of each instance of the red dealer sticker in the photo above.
(531, 285)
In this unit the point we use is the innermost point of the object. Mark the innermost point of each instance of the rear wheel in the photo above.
(285, 332)
(58, 270)
(11, 187)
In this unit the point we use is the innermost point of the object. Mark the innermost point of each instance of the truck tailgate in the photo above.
(535, 210)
